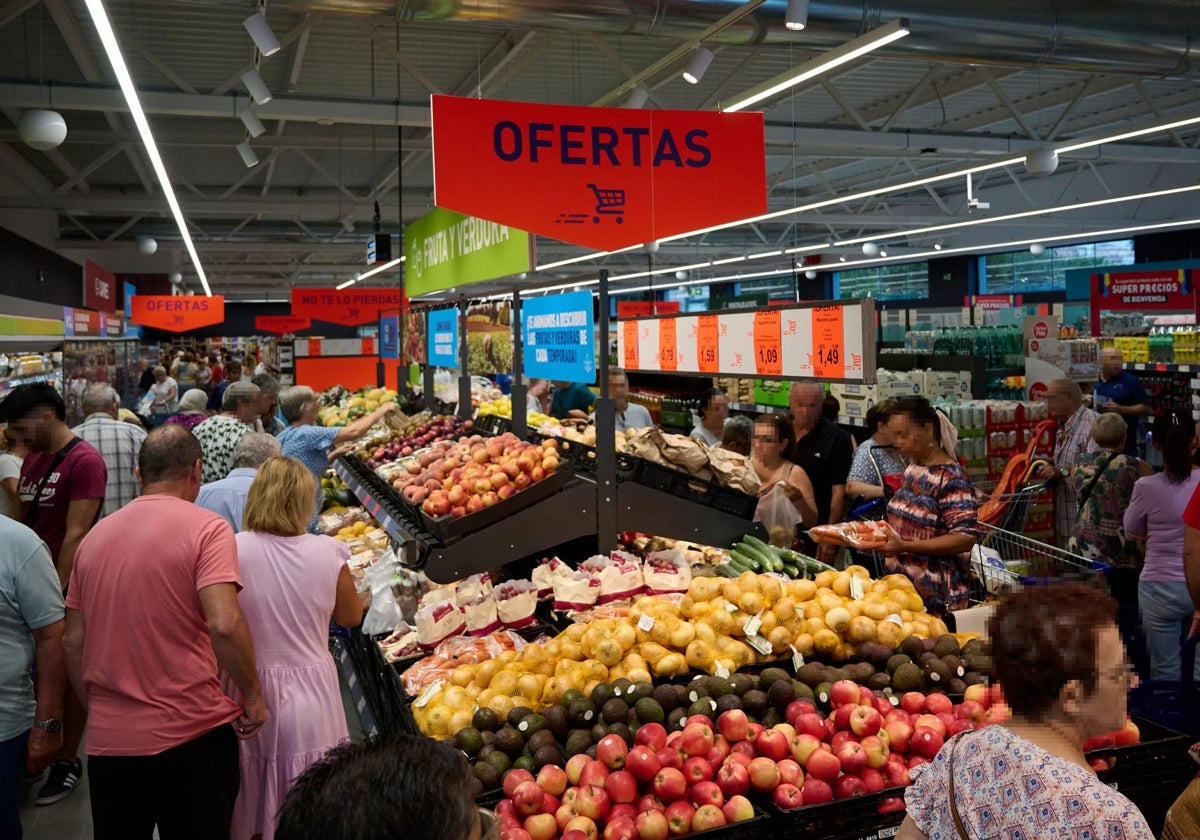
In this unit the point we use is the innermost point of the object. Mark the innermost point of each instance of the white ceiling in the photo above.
(343, 81)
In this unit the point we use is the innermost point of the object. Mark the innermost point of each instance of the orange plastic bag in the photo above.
(862, 535)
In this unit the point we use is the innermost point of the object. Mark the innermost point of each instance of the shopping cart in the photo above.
(608, 202)
(1004, 560)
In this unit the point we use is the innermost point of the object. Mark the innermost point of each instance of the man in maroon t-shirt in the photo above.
(62, 486)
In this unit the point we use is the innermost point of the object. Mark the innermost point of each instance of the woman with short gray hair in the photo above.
(166, 395)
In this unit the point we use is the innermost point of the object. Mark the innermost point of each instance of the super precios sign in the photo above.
(599, 177)
(351, 307)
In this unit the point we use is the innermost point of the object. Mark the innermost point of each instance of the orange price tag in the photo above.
(768, 355)
(668, 356)
(368, 347)
(314, 347)
(828, 354)
(630, 331)
(707, 336)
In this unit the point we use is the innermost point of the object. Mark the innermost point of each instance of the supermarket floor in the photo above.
(71, 818)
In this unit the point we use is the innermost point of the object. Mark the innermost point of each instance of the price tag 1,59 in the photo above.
(768, 355)
(707, 336)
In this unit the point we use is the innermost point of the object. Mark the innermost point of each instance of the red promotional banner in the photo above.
(178, 313)
(642, 308)
(351, 307)
(99, 288)
(993, 303)
(599, 177)
(280, 324)
(1162, 289)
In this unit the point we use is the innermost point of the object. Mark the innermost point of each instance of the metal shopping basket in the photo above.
(1005, 560)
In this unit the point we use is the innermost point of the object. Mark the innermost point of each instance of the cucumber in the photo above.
(738, 563)
(792, 571)
(763, 557)
(748, 561)
(725, 570)
(805, 562)
(754, 541)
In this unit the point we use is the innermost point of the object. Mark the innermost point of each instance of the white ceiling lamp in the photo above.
(882, 252)
(261, 32)
(870, 249)
(810, 274)
(844, 54)
(147, 245)
(797, 15)
(175, 278)
(637, 97)
(937, 246)
(698, 66)
(109, 39)
(256, 87)
(42, 129)
(253, 124)
(248, 156)
(1041, 162)
(1037, 249)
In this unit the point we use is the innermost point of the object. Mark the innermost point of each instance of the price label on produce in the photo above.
(646, 623)
(428, 693)
(707, 338)
(722, 671)
(768, 354)
(828, 352)
(752, 624)
(857, 590)
(630, 357)
(668, 352)
(797, 659)
(759, 644)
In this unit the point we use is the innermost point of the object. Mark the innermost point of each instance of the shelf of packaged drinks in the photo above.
(54, 377)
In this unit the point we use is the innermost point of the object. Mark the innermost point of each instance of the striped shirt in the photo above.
(1074, 438)
(118, 444)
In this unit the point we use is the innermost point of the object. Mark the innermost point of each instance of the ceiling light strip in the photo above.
(109, 39)
(376, 270)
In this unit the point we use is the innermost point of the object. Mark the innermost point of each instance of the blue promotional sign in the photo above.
(558, 337)
(389, 336)
(130, 291)
(442, 338)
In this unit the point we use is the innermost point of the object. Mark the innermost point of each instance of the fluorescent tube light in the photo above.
(109, 39)
(376, 270)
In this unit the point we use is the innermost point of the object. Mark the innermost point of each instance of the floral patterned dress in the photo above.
(1099, 532)
(1007, 787)
(934, 500)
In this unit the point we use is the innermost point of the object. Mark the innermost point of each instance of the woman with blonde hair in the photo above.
(294, 583)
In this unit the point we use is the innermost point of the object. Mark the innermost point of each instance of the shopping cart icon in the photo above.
(608, 203)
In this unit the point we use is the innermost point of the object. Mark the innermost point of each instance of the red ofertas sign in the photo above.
(177, 313)
(351, 307)
(644, 308)
(99, 288)
(281, 324)
(1168, 288)
(599, 177)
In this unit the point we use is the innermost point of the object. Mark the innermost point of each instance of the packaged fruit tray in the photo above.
(448, 529)
(702, 492)
(857, 818)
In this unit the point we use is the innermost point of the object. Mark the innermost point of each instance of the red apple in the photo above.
(575, 765)
(977, 693)
(611, 751)
(652, 825)
(865, 721)
(552, 779)
(592, 802)
(541, 827)
(652, 735)
(913, 702)
(926, 742)
(883, 705)
(930, 722)
(620, 830)
(823, 765)
(679, 818)
(873, 780)
(734, 725)
(564, 815)
(845, 787)
(642, 763)
(706, 817)
(802, 747)
(668, 757)
(958, 725)
(594, 773)
(514, 778)
(844, 692)
(797, 708)
(697, 769)
(755, 728)
(841, 717)
(810, 723)
(737, 758)
(623, 811)
(570, 795)
(745, 748)
(738, 809)
(876, 750)
(733, 779)
(788, 797)
(669, 785)
(790, 772)
(897, 774)
(947, 718)
(1128, 735)
(890, 805)
(550, 803)
(697, 739)
(706, 793)
(515, 834)
(764, 774)
(935, 704)
(787, 729)
(917, 761)
(816, 791)
(527, 799)
(853, 758)
(586, 825)
(970, 710)
(650, 802)
(772, 744)
(703, 720)
(840, 739)
(622, 786)
(897, 714)
(899, 733)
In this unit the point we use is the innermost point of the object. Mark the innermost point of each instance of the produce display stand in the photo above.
(374, 685)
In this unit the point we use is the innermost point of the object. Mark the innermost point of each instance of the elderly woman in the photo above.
(933, 513)
(166, 394)
(294, 583)
(313, 445)
(1058, 654)
(191, 410)
(875, 472)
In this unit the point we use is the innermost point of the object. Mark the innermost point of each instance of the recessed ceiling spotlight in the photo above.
(797, 15)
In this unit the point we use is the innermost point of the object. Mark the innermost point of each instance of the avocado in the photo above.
(601, 694)
(469, 741)
(578, 741)
(912, 647)
(896, 661)
(908, 677)
(703, 706)
(599, 730)
(822, 693)
(487, 775)
(518, 714)
(665, 696)
(769, 676)
(539, 739)
(509, 741)
(718, 687)
(946, 645)
(638, 691)
(649, 711)
(621, 687)
(974, 646)
(582, 712)
(925, 658)
(558, 721)
(879, 681)
(591, 752)
(739, 684)
(681, 695)
(570, 696)
(876, 654)
(697, 688)
(929, 644)
(524, 762)
(546, 755)
(728, 703)
(500, 761)
(956, 665)
(485, 720)
(488, 736)
(770, 718)
(754, 702)
(956, 686)
(531, 723)
(804, 692)
(675, 719)
(781, 693)
(623, 732)
(974, 678)
(811, 673)
(861, 672)
(477, 788)
(980, 663)
(614, 711)
(485, 751)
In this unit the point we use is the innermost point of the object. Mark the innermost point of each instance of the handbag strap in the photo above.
(60, 456)
(1087, 491)
(958, 823)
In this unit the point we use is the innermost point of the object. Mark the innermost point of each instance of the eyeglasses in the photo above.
(490, 826)
(1122, 673)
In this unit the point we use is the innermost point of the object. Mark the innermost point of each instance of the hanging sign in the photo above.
(1167, 288)
(559, 341)
(99, 288)
(389, 336)
(830, 341)
(351, 307)
(82, 323)
(281, 324)
(442, 336)
(444, 249)
(642, 308)
(489, 338)
(599, 177)
(130, 290)
(177, 313)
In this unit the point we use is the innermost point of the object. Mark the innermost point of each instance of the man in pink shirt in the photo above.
(152, 612)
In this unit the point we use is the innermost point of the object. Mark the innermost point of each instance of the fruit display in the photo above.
(339, 407)
(502, 407)
(389, 446)
(754, 555)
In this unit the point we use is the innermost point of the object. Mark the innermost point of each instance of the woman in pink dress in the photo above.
(294, 582)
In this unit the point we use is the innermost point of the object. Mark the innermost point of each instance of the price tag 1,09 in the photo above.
(768, 355)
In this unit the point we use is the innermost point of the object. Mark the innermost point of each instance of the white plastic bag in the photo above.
(778, 515)
(385, 612)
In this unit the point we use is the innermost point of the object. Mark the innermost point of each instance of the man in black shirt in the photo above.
(824, 452)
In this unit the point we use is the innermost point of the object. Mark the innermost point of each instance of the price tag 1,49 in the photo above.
(827, 338)
(707, 336)
(768, 355)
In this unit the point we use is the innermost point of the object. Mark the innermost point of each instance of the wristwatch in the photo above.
(51, 725)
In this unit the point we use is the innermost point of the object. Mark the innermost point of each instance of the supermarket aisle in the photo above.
(71, 819)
